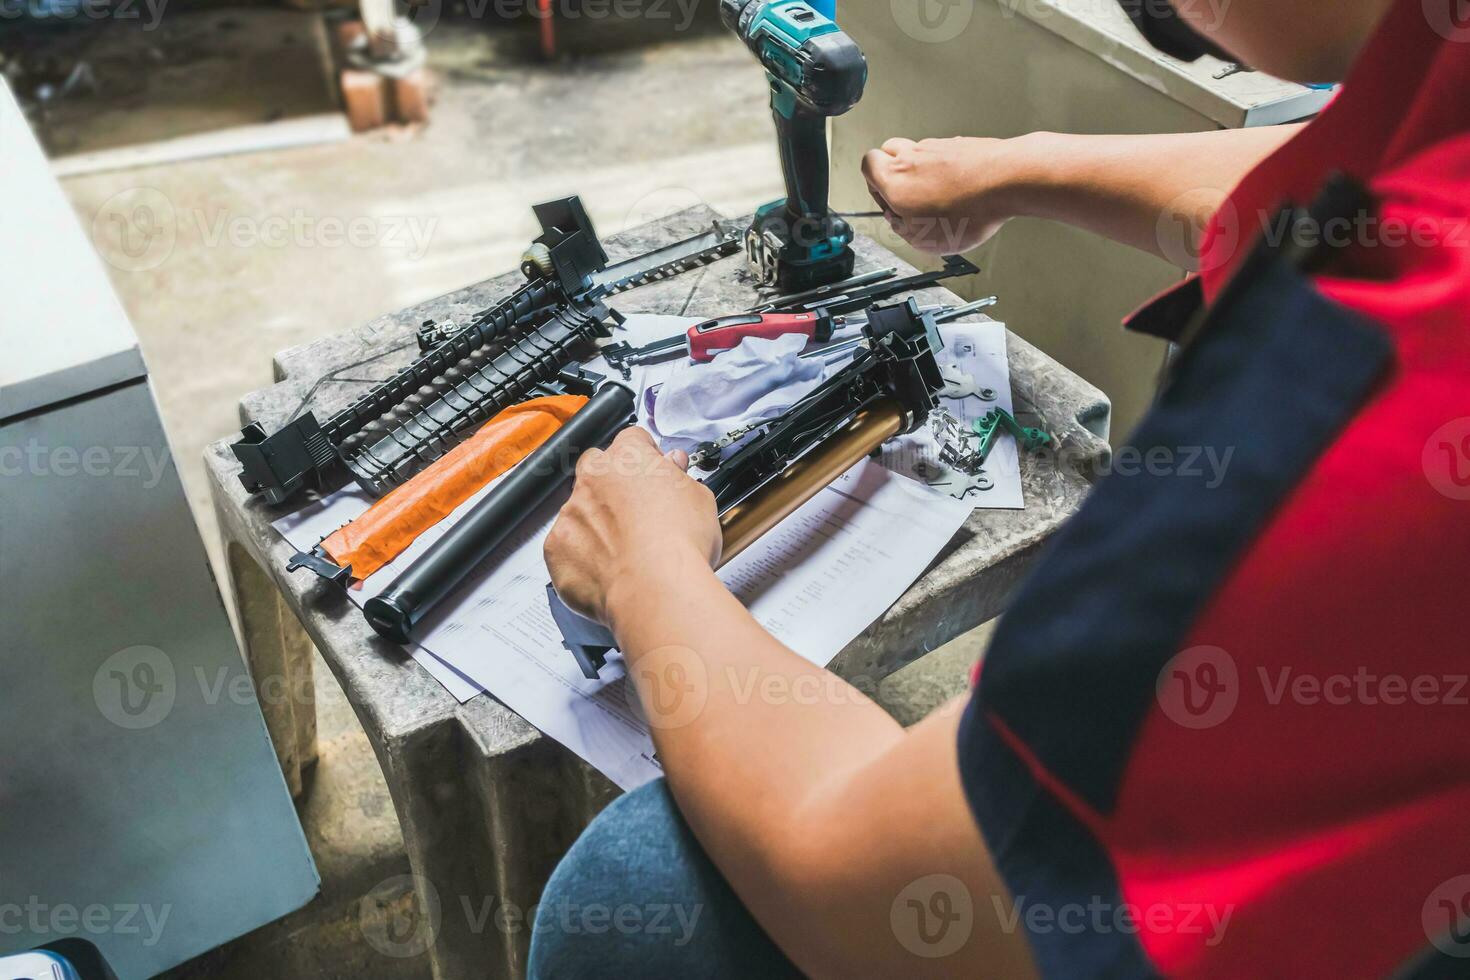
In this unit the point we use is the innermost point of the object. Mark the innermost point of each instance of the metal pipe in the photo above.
(397, 609)
(766, 507)
(954, 313)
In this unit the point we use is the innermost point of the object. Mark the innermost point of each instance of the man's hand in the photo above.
(943, 196)
(634, 514)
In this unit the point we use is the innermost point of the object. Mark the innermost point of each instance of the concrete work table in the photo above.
(486, 802)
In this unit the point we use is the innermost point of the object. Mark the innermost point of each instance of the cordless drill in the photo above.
(815, 71)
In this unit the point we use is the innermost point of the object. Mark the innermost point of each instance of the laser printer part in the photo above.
(989, 426)
(524, 346)
(889, 388)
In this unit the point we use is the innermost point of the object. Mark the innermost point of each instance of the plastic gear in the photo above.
(536, 262)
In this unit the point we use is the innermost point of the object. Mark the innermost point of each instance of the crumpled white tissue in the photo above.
(758, 379)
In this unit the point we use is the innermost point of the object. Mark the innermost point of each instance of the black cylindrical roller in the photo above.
(395, 611)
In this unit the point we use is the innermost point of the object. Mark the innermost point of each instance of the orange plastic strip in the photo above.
(392, 524)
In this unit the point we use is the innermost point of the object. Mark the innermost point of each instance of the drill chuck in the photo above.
(734, 12)
(814, 64)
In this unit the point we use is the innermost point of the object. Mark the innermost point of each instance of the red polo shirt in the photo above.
(1337, 814)
(1300, 780)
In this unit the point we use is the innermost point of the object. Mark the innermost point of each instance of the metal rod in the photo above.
(397, 609)
(766, 507)
(658, 351)
(836, 350)
(865, 279)
(956, 312)
(865, 296)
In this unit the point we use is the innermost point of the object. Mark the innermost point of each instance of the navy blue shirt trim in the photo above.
(1273, 377)
(1074, 664)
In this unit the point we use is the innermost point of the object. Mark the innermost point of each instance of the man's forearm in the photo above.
(817, 807)
(740, 720)
(1154, 192)
(747, 730)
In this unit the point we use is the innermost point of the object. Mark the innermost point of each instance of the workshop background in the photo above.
(222, 260)
(254, 179)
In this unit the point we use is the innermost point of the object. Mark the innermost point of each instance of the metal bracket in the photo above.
(318, 561)
(990, 425)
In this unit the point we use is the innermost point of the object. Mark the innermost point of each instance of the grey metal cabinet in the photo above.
(141, 804)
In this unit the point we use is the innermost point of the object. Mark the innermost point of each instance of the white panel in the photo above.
(63, 331)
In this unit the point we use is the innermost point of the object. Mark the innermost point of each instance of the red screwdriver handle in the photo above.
(724, 333)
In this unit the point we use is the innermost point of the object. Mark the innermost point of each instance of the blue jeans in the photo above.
(636, 896)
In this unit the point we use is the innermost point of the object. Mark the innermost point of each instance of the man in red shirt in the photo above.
(1218, 732)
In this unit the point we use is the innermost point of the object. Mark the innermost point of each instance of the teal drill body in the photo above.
(815, 71)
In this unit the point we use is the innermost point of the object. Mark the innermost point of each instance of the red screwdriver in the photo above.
(724, 333)
(701, 342)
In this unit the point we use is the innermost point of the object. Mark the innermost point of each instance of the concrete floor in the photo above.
(664, 120)
(442, 206)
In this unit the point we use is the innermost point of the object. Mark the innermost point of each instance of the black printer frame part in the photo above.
(306, 452)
